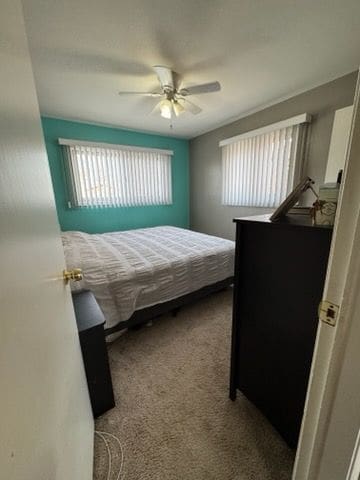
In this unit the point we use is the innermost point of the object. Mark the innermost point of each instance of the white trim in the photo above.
(264, 106)
(303, 118)
(68, 142)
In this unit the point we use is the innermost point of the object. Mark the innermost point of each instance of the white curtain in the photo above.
(115, 177)
(259, 171)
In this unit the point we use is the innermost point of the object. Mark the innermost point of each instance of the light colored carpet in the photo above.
(173, 415)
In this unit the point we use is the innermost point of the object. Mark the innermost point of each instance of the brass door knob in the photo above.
(75, 274)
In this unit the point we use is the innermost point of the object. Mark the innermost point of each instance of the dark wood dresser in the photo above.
(90, 321)
(279, 277)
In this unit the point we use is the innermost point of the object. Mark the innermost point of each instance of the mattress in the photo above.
(134, 269)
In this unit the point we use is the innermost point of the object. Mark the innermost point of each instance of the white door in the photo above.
(332, 413)
(46, 426)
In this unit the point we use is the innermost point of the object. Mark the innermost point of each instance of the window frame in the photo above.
(299, 125)
(128, 193)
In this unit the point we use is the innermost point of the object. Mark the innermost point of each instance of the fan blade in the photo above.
(165, 76)
(199, 89)
(189, 106)
(146, 94)
(156, 109)
(177, 80)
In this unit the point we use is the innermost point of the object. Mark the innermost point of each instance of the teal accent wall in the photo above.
(97, 220)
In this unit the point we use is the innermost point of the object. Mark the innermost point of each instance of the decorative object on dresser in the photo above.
(280, 270)
(90, 322)
(293, 197)
(324, 209)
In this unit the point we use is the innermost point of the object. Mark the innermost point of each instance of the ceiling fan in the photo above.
(173, 95)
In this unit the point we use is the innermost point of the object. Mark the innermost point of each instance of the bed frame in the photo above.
(146, 314)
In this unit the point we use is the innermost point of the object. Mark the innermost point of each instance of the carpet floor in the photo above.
(173, 415)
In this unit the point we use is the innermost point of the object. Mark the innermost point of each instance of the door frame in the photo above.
(354, 469)
(331, 418)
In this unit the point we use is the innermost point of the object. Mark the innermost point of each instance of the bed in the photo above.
(136, 275)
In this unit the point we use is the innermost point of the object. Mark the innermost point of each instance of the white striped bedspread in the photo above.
(134, 269)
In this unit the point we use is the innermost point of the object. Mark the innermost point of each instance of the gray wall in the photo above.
(206, 212)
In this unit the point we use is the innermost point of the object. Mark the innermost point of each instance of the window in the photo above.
(261, 167)
(105, 175)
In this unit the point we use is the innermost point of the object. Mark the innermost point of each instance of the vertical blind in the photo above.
(260, 170)
(119, 176)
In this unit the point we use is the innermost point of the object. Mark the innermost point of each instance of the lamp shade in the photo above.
(166, 108)
(178, 108)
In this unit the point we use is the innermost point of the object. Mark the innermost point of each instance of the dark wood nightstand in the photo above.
(90, 322)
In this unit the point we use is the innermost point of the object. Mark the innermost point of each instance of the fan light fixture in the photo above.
(168, 106)
(171, 93)
(165, 108)
(178, 109)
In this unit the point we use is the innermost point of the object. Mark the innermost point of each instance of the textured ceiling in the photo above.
(85, 51)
